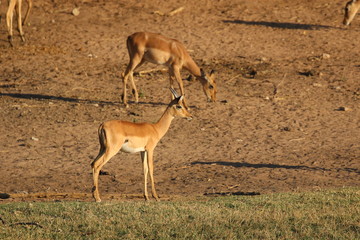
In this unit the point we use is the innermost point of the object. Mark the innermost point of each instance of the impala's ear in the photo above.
(174, 92)
(212, 73)
(181, 98)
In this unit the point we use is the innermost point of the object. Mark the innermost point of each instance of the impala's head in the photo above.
(209, 85)
(351, 9)
(178, 106)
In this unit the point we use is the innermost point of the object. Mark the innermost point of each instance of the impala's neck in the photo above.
(163, 125)
(192, 67)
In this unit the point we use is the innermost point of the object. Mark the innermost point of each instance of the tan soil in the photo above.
(287, 117)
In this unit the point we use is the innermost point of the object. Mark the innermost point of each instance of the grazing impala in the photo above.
(155, 48)
(351, 8)
(9, 18)
(131, 137)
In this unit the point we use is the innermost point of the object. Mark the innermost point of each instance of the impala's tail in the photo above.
(102, 141)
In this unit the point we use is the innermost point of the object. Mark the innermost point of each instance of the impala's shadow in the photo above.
(238, 193)
(265, 165)
(283, 25)
(49, 97)
(72, 100)
(257, 165)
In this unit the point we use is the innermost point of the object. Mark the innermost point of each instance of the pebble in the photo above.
(343, 109)
(34, 139)
(325, 56)
(76, 12)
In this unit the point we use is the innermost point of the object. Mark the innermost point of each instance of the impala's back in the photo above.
(155, 48)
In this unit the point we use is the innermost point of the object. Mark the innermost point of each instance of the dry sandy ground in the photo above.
(287, 116)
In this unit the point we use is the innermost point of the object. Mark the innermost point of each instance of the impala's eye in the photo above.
(211, 87)
(178, 107)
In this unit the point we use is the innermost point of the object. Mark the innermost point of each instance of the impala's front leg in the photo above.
(171, 80)
(19, 21)
(180, 82)
(151, 171)
(144, 158)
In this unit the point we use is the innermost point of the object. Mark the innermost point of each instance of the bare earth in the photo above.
(287, 116)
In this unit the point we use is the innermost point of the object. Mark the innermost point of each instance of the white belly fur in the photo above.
(128, 149)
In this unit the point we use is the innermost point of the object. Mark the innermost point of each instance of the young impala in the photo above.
(351, 8)
(155, 48)
(9, 18)
(131, 137)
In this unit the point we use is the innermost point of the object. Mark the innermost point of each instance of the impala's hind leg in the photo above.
(27, 12)
(129, 72)
(107, 151)
(9, 20)
(97, 165)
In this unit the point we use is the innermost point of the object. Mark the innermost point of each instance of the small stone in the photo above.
(343, 109)
(325, 56)
(317, 85)
(76, 12)
(34, 139)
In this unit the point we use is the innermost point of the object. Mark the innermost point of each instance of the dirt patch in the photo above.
(287, 116)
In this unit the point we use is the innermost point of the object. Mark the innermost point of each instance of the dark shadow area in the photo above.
(72, 100)
(8, 86)
(47, 97)
(265, 165)
(307, 73)
(150, 103)
(284, 25)
(4, 196)
(259, 165)
(232, 194)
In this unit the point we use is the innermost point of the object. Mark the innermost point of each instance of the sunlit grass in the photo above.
(316, 215)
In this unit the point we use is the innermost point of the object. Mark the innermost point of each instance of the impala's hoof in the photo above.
(10, 41)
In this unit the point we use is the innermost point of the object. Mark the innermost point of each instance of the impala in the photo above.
(9, 18)
(155, 48)
(131, 137)
(351, 8)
